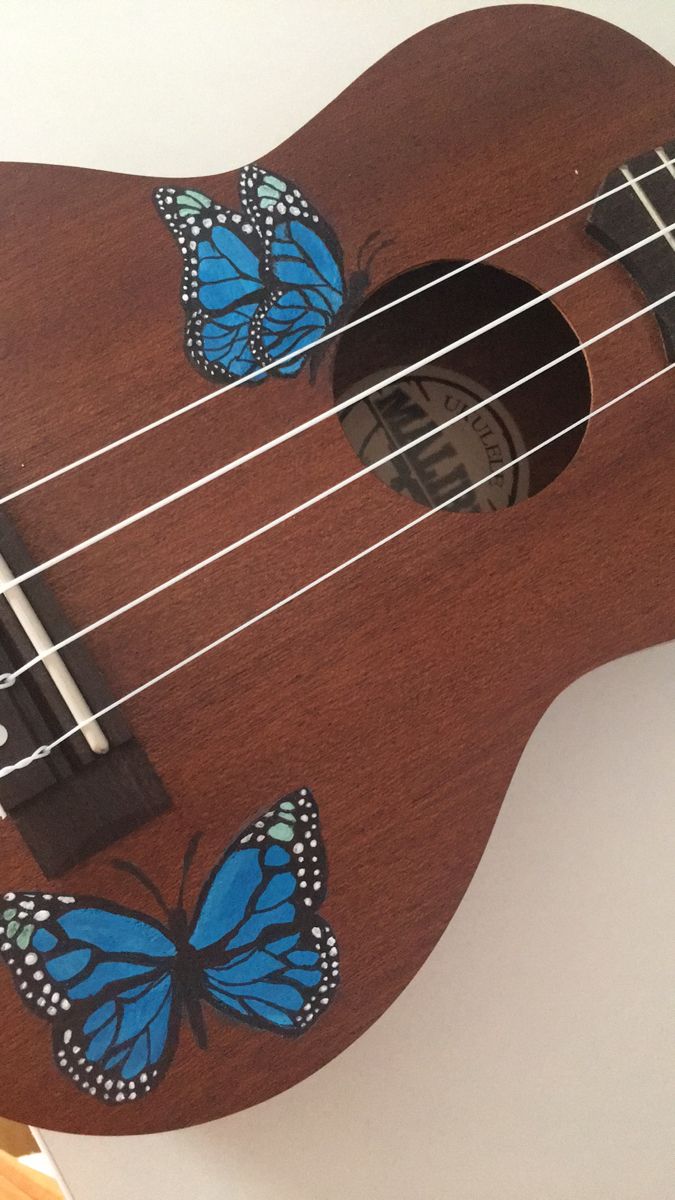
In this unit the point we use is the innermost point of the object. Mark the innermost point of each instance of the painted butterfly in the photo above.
(258, 284)
(115, 983)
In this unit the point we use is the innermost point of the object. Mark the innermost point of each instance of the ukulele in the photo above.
(320, 480)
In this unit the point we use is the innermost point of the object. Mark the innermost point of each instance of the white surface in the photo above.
(532, 1057)
(198, 86)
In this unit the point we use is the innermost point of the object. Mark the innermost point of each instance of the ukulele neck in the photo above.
(635, 212)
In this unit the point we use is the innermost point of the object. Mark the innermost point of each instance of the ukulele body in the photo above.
(402, 691)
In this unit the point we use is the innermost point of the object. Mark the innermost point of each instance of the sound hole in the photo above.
(453, 461)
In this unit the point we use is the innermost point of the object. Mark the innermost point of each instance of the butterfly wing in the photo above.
(302, 264)
(222, 283)
(286, 321)
(268, 959)
(269, 201)
(280, 983)
(103, 977)
(120, 1047)
(219, 345)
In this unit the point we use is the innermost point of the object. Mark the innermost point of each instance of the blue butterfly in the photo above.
(258, 284)
(115, 983)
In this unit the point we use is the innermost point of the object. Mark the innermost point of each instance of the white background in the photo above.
(532, 1058)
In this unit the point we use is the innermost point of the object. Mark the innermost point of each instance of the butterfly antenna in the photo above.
(371, 238)
(187, 863)
(121, 864)
(374, 253)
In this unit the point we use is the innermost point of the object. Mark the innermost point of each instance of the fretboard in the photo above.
(635, 212)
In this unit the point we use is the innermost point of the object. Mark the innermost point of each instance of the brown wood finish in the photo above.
(404, 691)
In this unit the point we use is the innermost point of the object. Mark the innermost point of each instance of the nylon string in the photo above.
(44, 751)
(220, 472)
(8, 679)
(666, 164)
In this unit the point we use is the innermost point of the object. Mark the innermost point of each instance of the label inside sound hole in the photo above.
(450, 463)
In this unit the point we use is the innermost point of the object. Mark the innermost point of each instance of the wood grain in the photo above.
(404, 691)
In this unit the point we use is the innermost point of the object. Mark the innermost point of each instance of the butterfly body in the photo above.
(115, 983)
(261, 285)
(188, 976)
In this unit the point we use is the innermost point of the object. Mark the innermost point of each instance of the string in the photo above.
(8, 679)
(83, 460)
(220, 472)
(44, 751)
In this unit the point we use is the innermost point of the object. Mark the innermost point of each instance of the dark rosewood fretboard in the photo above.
(633, 214)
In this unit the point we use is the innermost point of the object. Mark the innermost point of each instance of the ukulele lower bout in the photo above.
(265, 286)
